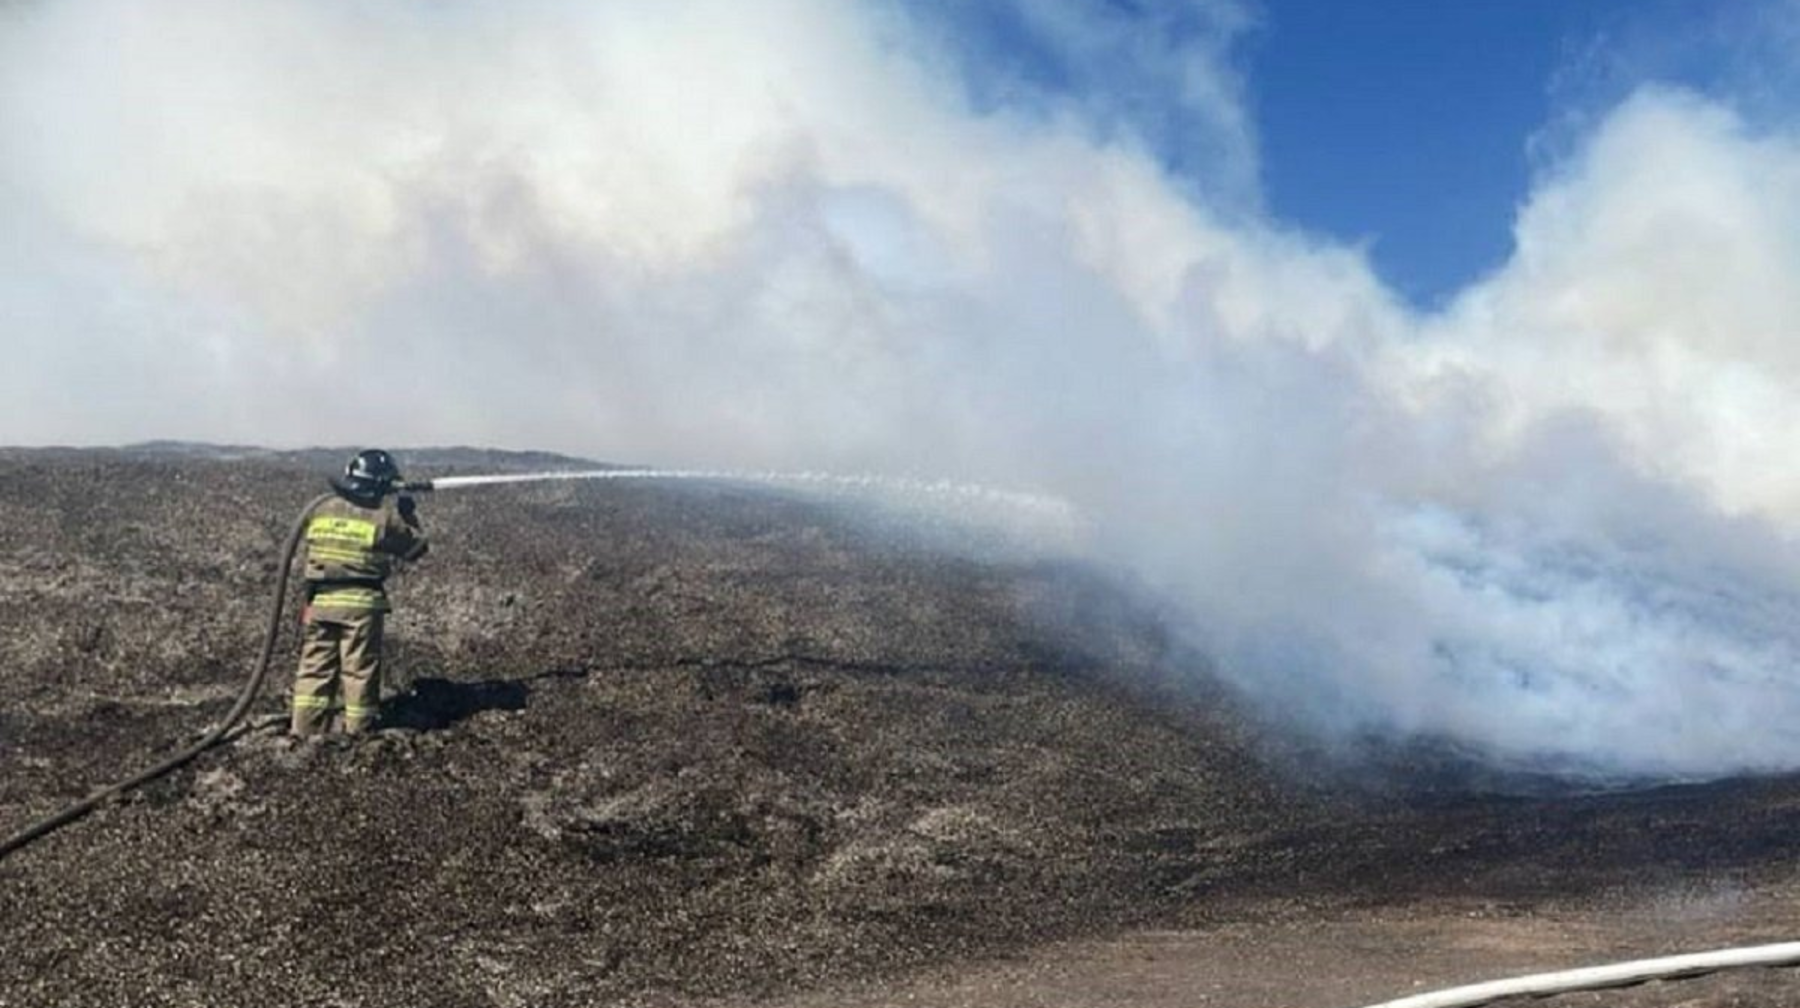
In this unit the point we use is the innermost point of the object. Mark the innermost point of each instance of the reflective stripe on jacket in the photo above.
(350, 551)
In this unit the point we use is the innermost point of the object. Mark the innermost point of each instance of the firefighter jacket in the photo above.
(351, 547)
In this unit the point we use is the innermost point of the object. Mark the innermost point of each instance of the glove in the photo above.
(409, 508)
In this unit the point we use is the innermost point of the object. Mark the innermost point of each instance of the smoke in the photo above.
(1550, 521)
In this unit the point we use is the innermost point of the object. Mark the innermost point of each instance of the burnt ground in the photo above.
(708, 744)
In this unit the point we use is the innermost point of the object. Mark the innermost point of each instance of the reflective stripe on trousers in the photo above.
(350, 598)
(340, 667)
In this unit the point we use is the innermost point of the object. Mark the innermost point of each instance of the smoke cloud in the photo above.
(1553, 520)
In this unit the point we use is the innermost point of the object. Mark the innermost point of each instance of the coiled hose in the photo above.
(252, 688)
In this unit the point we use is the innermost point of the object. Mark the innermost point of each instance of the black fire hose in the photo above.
(252, 688)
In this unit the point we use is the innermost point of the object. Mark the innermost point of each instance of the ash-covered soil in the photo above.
(664, 743)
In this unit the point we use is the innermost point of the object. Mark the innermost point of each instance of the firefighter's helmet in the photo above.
(372, 471)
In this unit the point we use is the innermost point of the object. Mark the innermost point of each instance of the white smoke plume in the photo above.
(1553, 520)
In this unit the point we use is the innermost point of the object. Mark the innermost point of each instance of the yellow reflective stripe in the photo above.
(353, 531)
(341, 545)
(357, 710)
(312, 702)
(343, 555)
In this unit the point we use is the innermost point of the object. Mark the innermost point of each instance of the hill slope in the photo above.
(696, 739)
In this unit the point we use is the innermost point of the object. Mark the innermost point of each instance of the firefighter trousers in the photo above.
(339, 674)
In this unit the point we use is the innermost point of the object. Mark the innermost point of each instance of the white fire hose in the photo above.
(1623, 974)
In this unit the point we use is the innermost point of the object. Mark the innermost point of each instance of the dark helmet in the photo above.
(372, 472)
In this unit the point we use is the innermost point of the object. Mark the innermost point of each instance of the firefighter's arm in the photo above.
(405, 539)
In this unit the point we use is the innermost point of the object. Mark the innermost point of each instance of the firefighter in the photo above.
(352, 543)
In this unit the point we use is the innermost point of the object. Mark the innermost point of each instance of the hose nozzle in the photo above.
(414, 486)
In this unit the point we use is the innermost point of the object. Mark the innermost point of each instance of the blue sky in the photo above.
(1413, 128)
(1405, 125)
(1411, 125)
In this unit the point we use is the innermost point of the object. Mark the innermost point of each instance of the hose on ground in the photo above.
(218, 732)
(1625, 974)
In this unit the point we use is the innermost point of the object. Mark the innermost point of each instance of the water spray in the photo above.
(1039, 505)
(1018, 516)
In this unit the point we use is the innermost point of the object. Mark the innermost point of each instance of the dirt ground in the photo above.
(1366, 956)
(714, 745)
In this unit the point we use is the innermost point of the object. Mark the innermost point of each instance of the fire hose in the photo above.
(252, 688)
(1625, 974)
